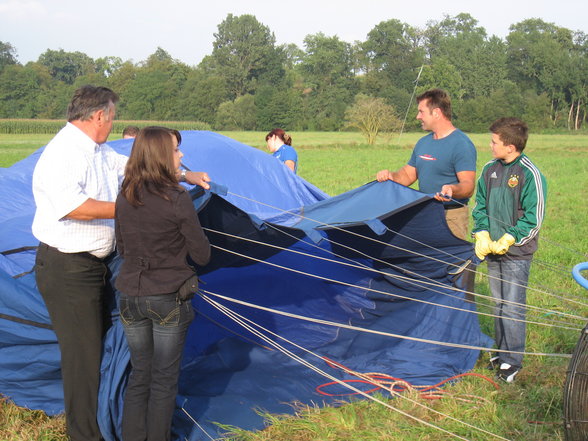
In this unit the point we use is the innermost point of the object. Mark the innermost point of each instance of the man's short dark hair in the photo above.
(89, 99)
(437, 99)
(511, 131)
(130, 131)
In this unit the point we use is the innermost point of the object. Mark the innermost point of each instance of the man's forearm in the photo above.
(93, 209)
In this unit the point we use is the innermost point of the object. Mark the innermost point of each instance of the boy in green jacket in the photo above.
(510, 205)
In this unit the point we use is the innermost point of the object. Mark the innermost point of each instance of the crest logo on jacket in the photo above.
(513, 181)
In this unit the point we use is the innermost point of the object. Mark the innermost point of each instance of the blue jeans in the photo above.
(505, 276)
(155, 327)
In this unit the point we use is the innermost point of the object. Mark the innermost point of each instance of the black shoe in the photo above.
(507, 373)
(494, 363)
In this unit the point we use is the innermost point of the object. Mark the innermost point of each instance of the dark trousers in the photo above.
(155, 327)
(72, 286)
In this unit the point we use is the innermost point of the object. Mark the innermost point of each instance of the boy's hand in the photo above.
(502, 245)
(483, 244)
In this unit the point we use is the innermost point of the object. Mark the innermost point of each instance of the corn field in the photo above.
(52, 126)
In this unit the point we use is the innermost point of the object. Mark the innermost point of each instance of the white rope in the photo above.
(559, 268)
(393, 246)
(241, 321)
(469, 311)
(416, 83)
(571, 300)
(196, 424)
(407, 280)
(334, 227)
(491, 299)
(371, 331)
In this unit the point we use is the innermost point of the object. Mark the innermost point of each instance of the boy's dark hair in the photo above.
(437, 99)
(511, 131)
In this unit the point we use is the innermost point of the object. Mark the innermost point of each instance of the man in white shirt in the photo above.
(75, 184)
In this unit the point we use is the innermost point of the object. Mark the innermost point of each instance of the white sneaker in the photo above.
(507, 373)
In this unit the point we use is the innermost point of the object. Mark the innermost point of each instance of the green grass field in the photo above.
(530, 409)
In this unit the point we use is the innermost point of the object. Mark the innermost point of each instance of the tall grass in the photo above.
(529, 409)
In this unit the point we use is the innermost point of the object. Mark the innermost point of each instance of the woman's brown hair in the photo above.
(280, 133)
(151, 164)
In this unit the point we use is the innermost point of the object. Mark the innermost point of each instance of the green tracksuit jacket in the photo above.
(511, 199)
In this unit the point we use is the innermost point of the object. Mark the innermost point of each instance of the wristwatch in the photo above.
(182, 175)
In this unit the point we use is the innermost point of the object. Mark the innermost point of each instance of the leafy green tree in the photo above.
(107, 66)
(536, 110)
(327, 62)
(329, 82)
(391, 57)
(67, 66)
(202, 95)
(120, 81)
(292, 55)
(8, 55)
(441, 34)
(479, 61)
(443, 75)
(539, 59)
(154, 92)
(237, 115)
(325, 111)
(279, 107)
(477, 114)
(244, 53)
(145, 95)
(19, 88)
(371, 116)
(577, 76)
(30, 92)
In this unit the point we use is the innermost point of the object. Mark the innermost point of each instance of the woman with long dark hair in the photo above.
(156, 229)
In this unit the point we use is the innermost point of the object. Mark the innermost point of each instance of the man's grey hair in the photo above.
(89, 99)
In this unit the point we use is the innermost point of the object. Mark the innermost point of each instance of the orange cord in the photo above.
(393, 384)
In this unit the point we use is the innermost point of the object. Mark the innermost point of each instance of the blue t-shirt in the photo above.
(438, 161)
(287, 153)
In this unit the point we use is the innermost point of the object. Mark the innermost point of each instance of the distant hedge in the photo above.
(48, 126)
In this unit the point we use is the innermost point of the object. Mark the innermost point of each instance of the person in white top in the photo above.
(75, 184)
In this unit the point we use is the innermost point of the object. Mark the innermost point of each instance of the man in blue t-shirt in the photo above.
(444, 161)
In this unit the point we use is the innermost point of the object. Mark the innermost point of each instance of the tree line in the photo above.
(539, 72)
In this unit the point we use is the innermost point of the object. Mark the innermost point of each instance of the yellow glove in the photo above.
(502, 245)
(483, 243)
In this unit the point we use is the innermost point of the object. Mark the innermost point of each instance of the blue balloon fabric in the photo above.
(288, 265)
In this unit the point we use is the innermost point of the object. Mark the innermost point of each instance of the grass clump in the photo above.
(20, 424)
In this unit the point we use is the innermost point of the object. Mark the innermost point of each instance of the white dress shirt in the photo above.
(71, 170)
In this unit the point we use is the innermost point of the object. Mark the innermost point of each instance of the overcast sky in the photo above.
(133, 29)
